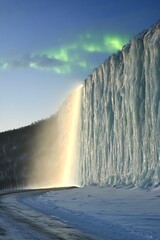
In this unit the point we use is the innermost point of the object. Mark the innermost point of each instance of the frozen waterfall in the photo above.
(120, 117)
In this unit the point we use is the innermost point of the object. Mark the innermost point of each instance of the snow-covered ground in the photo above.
(104, 213)
(18, 221)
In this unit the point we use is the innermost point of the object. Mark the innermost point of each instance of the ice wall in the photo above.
(120, 119)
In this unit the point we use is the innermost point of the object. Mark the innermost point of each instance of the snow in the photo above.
(11, 229)
(104, 213)
(18, 221)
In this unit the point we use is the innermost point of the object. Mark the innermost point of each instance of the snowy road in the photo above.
(18, 221)
(102, 213)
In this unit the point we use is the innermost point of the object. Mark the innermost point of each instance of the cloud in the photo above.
(44, 61)
(3, 65)
(37, 61)
(72, 56)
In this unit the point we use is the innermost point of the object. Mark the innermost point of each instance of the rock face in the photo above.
(120, 119)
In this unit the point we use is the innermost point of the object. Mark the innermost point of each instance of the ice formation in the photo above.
(120, 118)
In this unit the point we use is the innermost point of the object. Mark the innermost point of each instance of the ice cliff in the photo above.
(120, 118)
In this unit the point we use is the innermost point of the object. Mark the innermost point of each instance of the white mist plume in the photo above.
(55, 158)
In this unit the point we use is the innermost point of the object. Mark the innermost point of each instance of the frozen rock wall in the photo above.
(120, 119)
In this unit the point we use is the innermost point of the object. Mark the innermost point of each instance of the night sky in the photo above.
(48, 47)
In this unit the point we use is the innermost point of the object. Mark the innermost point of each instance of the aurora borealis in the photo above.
(64, 59)
(49, 46)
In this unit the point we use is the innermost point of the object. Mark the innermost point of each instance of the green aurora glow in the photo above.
(73, 55)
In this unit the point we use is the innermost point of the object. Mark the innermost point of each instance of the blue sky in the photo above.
(48, 47)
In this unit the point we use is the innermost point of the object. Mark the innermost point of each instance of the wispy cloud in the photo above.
(64, 59)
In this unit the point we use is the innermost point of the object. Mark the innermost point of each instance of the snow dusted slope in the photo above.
(120, 128)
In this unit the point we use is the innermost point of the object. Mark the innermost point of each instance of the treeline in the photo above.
(17, 148)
